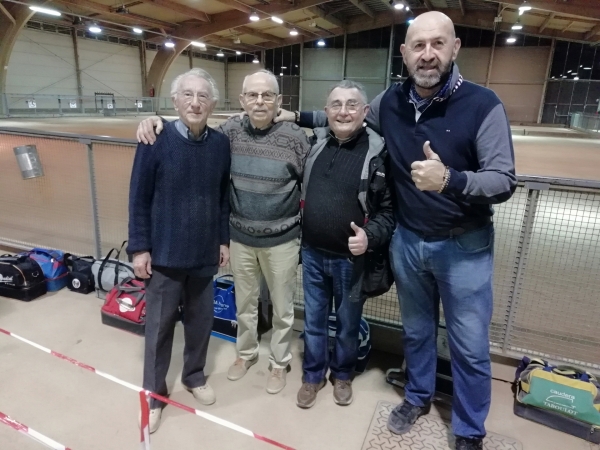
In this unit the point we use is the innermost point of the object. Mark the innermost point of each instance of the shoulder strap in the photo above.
(101, 269)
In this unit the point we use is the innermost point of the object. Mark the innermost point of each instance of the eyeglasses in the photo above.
(267, 97)
(351, 106)
(188, 97)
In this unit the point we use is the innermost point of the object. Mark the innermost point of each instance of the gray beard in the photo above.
(430, 81)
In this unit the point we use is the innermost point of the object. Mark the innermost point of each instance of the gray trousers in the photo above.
(165, 290)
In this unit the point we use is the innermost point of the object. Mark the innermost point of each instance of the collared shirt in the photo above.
(421, 104)
(186, 133)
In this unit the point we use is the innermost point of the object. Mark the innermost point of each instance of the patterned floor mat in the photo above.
(429, 433)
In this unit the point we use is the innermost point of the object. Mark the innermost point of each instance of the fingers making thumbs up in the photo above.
(357, 243)
(428, 175)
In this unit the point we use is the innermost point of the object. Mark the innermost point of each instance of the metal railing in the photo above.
(547, 253)
(32, 105)
(585, 122)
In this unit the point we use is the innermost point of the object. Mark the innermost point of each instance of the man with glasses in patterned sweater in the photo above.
(267, 163)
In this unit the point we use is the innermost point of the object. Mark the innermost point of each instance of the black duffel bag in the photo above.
(21, 278)
(81, 277)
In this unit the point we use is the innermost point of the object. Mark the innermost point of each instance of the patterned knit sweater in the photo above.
(266, 171)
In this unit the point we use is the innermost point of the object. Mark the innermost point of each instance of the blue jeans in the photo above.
(325, 277)
(459, 270)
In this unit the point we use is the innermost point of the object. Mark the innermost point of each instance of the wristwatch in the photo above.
(297, 114)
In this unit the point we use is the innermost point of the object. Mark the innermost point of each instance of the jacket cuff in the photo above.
(306, 119)
(457, 183)
(370, 239)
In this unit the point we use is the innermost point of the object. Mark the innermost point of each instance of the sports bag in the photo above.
(127, 300)
(569, 391)
(109, 272)
(225, 321)
(53, 265)
(81, 278)
(21, 278)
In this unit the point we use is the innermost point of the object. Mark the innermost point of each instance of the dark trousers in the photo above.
(165, 290)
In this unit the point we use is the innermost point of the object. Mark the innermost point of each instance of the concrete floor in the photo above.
(86, 412)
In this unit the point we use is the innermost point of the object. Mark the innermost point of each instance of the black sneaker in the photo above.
(403, 417)
(463, 443)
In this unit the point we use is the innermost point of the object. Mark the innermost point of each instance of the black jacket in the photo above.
(372, 272)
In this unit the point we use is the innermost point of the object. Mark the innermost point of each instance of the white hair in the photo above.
(349, 84)
(200, 73)
(268, 73)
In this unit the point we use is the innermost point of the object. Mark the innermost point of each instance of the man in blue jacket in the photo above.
(451, 153)
(179, 234)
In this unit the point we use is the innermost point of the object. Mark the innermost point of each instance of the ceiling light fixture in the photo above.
(254, 17)
(576, 78)
(293, 32)
(169, 43)
(255, 60)
(587, 68)
(198, 44)
(95, 28)
(511, 40)
(237, 52)
(220, 54)
(524, 7)
(321, 43)
(276, 19)
(51, 12)
(137, 30)
(517, 25)
(398, 5)
(284, 67)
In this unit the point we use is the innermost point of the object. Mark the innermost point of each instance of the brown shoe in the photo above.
(342, 392)
(307, 395)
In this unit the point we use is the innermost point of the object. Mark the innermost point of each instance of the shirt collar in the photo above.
(256, 131)
(453, 82)
(186, 133)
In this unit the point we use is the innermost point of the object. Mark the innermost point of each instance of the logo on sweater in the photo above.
(4, 279)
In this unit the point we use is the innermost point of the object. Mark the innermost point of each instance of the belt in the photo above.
(461, 229)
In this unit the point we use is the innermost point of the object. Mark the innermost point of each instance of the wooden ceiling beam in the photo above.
(587, 9)
(363, 7)
(329, 17)
(546, 22)
(590, 34)
(107, 11)
(256, 33)
(462, 7)
(192, 13)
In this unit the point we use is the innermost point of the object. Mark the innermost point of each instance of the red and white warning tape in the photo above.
(31, 433)
(143, 392)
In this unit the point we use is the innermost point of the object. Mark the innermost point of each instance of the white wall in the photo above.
(321, 68)
(237, 73)
(217, 70)
(107, 67)
(367, 66)
(43, 63)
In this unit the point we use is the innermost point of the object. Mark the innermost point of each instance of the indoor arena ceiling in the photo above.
(227, 23)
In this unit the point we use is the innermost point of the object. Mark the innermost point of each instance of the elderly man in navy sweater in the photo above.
(179, 234)
(452, 157)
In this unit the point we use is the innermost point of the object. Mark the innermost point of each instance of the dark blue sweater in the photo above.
(468, 129)
(179, 200)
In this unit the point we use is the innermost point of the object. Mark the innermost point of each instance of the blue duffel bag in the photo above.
(53, 266)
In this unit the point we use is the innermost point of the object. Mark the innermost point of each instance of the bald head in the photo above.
(430, 21)
(429, 50)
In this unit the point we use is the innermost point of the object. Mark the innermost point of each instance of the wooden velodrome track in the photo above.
(55, 211)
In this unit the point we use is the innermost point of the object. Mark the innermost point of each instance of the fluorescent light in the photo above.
(237, 52)
(169, 44)
(293, 32)
(255, 60)
(399, 6)
(511, 40)
(576, 78)
(284, 67)
(321, 43)
(138, 30)
(95, 29)
(281, 74)
(517, 26)
(524, 7)
(51, 12)
(220, 54)
(254, 17)
(276, 19)
(587, 68)
(569, 71)
(198, 44)
(564, 76)
(574, 74)
(407, 8)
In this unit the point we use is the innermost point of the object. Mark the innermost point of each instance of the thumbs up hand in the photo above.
(358, 243)
(428, 175)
